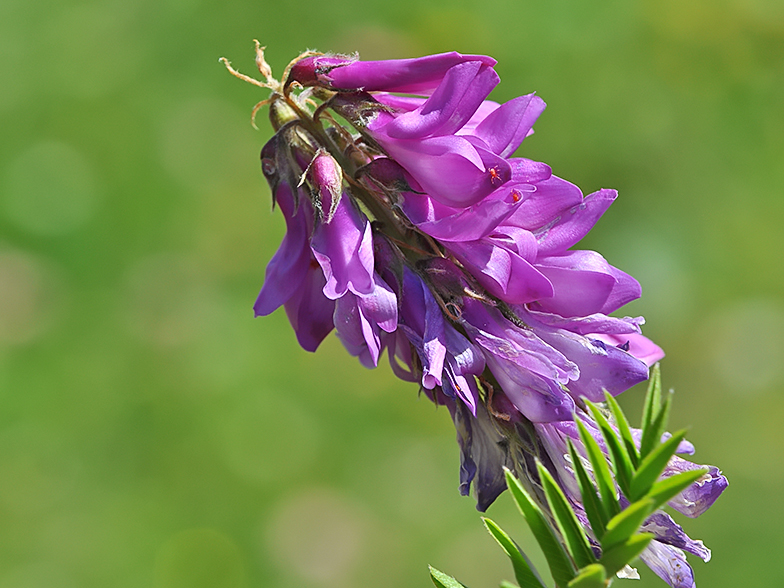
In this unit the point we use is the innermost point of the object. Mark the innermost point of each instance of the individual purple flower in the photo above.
(293, 278)
(360, 320)
(342, 242)
(420, 75)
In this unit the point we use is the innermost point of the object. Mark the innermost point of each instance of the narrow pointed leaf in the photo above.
(624, 553)
(653, 465)
(594, 509)
(442, 580)
(626, 524)
(566, 520)
(557, 559)
(592, 576)
(664, 490)
(524, 573)
(652, 399)
(505, 584)
(601, 471)
(623, 429)
(657, 427)
(620, 459)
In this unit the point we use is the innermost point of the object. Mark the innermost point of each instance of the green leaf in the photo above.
(624, 525)
(601, 471)
(566, 520)
(652, 399)
(664, 490)
(505, 584)
(560, 565)
(524, 573)
(592, 576)
(594, 509)
(653, 465)
(620, 459)
(441, 580)
(624, 553)
(651, 437)
(623, 428)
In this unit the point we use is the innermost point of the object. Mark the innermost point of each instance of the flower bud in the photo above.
(326, 177)
(281, 113)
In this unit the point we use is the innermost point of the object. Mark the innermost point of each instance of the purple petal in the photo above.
(701, 495)
(380, 306)
(450, 169)
(540, 400)
(669, 532)
(287, 268)
(506, 127)
(360, 319)
(400, 103)
(532, 172)
(584, 283)
(447, 223)
(483, 454)
(485, 109)
(601, 367)
(591, 324)
(500, 338)
(355, 331)
(669, 563)
(309, 311)
(423, 322)
(413, 76)
(637, 345)
(463, 362)
(552, 197)
(461, 92)
(400, 358)
(344, 249)
(504, 273)
(555, 238)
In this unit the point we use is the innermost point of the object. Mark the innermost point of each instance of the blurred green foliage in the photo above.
(153, 434)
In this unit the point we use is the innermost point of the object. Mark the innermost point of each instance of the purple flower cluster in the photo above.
(415, 230)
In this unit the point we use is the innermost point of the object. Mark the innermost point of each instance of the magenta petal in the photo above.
(574, 223)
(528, 171)
(414, 76)
(553, 196)
(447, 223)
(504, 273)
(637, 345)
(344, 249)
(309, 311)
(450, 169)
(485, 109)
(584, 284)
(460, 93)
(506, 127)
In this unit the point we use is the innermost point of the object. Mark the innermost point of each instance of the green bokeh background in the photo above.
(152, 433)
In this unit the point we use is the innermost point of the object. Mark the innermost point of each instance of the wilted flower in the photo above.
(414, 229)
